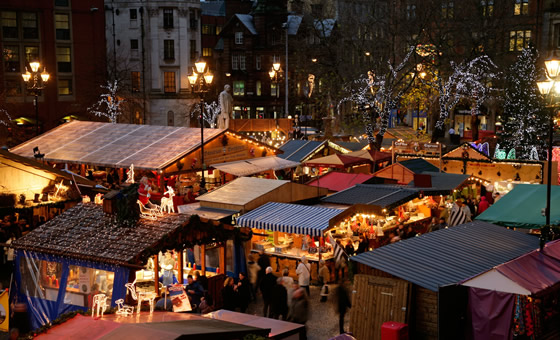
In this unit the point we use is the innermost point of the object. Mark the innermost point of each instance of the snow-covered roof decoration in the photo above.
(324, 26)
(247, 20)
(294, 21)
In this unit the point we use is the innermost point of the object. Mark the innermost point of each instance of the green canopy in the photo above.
(523, 206)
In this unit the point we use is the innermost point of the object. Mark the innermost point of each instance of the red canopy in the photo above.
(336, 161)
(338, 181)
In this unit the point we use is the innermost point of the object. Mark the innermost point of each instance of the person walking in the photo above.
(324, 278)
(288, 283)
(267, 287)
(342, 304)
(483, 205)
(253, 271)
(279, 301)
(229, 296)
(243, 289)
(263, 262)
(303, 272)
(299, 309)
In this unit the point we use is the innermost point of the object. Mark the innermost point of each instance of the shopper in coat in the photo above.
(342, 304)
(324, 278)
(267, 287)
(279, 301)
(303, 272)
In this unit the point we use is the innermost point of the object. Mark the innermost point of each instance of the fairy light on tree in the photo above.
(109, 103)
(524, 120)
(211, 113)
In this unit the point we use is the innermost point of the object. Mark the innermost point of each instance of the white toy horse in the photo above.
(99, 304)
(167, 202)
(141, 296)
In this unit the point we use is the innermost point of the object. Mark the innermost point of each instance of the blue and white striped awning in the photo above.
(289, 218)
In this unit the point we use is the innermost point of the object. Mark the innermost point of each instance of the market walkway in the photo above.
(323, 321)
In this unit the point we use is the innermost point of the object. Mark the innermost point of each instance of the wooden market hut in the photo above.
(34, 189)
(414, 281)
(58, 263)
(404, 171)
(265, 166)
(166, 150)
(337, 181)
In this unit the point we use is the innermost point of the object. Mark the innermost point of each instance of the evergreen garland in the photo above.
(524, 120)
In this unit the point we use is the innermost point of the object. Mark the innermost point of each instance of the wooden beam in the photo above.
(156, 274)
(203, 258)
(181, 264)
(223, 258)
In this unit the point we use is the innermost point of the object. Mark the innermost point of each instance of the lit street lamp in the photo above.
(201, 81)
(40, 79)
(547, 87)
(275, 74)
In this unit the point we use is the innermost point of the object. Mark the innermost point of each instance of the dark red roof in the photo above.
(338, 181)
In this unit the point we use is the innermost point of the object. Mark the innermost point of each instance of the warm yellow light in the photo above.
(272, 73)
(544, 86)
(314, 60)
(44, 75)
(26, 76)
(208, 78)
(192, 79)
(552, 65)
(422, 75)
(276, 67)
(34, 66)
(200, 66)
(367, 54)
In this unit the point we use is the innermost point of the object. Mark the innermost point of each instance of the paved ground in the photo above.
(323, 321)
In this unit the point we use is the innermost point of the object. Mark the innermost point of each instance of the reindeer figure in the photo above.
(167, 202)
(141, 296)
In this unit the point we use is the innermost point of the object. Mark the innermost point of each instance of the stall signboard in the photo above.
(84, 279)
(179, 298)
(416, 148)
(4, 311)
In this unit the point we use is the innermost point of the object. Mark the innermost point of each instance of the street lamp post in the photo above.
(40, 79)
(546, 88)
(275, 74)
(201, 80)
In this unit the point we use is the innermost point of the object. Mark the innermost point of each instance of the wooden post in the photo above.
(156, 274)
(203, 258)
(223, 258)
(181, 264)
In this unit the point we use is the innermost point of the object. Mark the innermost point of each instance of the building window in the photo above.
(194, 53)
(238, 38)
(169, 49)
(242, 65)
(258, 63)
(9, 25)
(207, 52)
(134, 48)
(235, 62)
(518, 40)
(274, 90)
(63, 59)
(167, 18)
(258, 88)
(410, 12)
(487, 7)
(29, 24)
(133, 14)
(207, 29)
(31, 53)
(61, 3)
(447, 9)
(65, 87)
(169, 82)
(193, 21)
(62, 24)
(135, 81)
(521, 7)
(238, 88)
(11, 59)
(218, 29)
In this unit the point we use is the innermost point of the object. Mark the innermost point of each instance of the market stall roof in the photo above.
(449, 256)
(255, 165)
(522, 207)
(247, 193)
(86, 232)
(404, 171)
(371, 155)
(289, 218)
(419, 165)
(352, 146)
(385, 196)
(337, 181)
(8, 158)
(299, 150)
(148, 147)
(336, 161)
(204, 212)
(528, 274)
(443, 182)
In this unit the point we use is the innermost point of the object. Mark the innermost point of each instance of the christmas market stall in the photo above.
(289, 231)
(33, 192)
(158, 152)
(519, 298)
(338, 181)
(403, 171)
(265, 167)
(90, 249)
(415, 281)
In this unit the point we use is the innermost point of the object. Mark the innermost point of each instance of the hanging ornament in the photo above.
(511, 154)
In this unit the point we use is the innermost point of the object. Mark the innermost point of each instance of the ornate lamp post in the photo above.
(201, 81)
(547, 87)
(40, 79)
(275, 74)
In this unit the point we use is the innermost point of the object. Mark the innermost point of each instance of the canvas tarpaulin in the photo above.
(522, 207)
(491, 314)
(534, 271)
